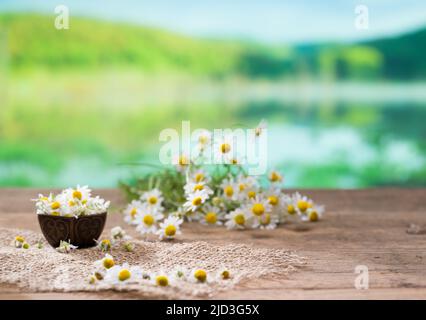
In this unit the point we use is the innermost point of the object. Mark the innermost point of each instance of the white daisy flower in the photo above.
(147, 220)
(179, 273)
(169, 228)
(290, 206)
(132, 210)
(181, 162)
(223, 274)
(161, 279)
(212, 216)
(65, 247)
(117, 233)
(153, 198)
(268, 221)
(104, 244)
(224, 148)
(199, 275)
(43, 204)
(78, 194)
(204, 138)
(19, 241)
(258, 206)
(302, 203)
(195, 200)
(96, 206)
(106, 262)
(230, 189)
(260, 128)
(275, 177)
(199, 176)
(123, 274)
(275, 199)
(192, 187)
(238, 219)
(314, 213)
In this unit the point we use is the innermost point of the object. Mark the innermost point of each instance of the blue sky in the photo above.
(261, 20)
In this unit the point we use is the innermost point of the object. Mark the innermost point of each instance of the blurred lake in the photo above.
(89, 131)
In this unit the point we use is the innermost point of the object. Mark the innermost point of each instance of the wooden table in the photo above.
(361, 227)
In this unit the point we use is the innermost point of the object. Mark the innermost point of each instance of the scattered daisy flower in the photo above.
(131, 212)
(169, 228)
(211, 216)
(128, 246)
(153, 198)
(18, 241)
(147, 221)
(117, 233)
(106, 262)
(199, 276)
(65, 247)
(104, 245)
(118, 275)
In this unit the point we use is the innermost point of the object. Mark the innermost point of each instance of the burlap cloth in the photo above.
(46, 270)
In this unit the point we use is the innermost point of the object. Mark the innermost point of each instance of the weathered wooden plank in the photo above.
(361, 227)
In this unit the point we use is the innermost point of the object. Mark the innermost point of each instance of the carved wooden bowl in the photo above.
(82, 231)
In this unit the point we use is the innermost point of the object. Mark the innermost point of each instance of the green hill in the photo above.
(33, 42)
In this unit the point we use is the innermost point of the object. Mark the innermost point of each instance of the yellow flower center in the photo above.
(148, 220)
(203, 139)
(198, 187)
(291, 209)
(162, 281)
(199, 177)
(258, 209)
(108, 263)
(183, 161)
(257, 131)
(266, 219)
(211, 217)
(55, 205)
(99, 275)
(84, 201)
(152, 200)
(242, 186)
(123, 275)
(170, 230)
(133, 213)
(55, 213)
(273, 200)
(200, 275)
(71, 203)
(19, 239)
(106, 243)
(225, 147)
(44, 198)
(197, 201)
(275, 176)
(229, 191)
(234, 161)
(225, 274)
(26, 246)
(313, 216)
(239, 219)
(251, 194)
(302, 205)
(77, 194)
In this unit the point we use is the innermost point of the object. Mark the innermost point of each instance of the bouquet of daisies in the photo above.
(223, 196)
(71, 202)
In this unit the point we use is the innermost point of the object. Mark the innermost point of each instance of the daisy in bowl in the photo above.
(195, 199)
(132, 210)
(153, 198)
(147, 220)
(78, 194)
(238, 219)
(169, 228)
(118, 275)
(211, 216)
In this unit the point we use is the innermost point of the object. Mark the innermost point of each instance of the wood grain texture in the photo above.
(361, 227)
